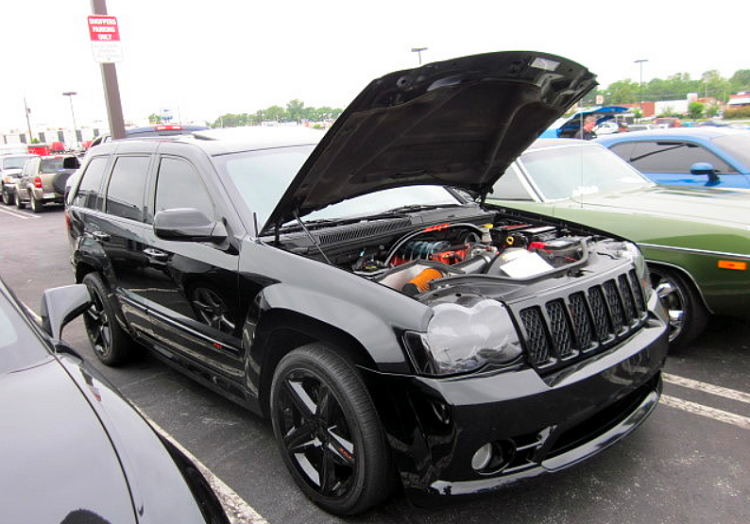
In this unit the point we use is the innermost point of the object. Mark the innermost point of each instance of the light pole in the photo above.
(70, 95)
(640, 83)
(419, 50)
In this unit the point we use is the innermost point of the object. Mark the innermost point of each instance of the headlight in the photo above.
(461, 338)
(631, 251)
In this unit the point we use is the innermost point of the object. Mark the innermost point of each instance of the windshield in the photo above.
(574, 171)
(738, 146)
(262, 177)
(15, 162)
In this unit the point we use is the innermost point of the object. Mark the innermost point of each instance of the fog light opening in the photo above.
(493, 457)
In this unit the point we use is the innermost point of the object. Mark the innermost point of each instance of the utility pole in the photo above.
(640, 83)
(70, 95)
(111, 87)
(28, 122)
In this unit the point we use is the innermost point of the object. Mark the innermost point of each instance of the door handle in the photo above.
(156, 255)
(100, 236)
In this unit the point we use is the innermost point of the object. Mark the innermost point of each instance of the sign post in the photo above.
(109, 74)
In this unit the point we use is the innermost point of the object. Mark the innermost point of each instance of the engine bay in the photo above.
(414, 260)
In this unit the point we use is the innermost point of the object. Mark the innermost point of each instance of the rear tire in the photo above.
(688, 315)
(37, 206)
(112, 345)
(329, 432)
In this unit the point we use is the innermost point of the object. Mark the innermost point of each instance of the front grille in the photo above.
(565, 329)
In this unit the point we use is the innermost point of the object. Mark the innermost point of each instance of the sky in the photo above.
(204, 59)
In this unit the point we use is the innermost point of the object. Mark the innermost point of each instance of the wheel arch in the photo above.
(282, 331)
(685, 274)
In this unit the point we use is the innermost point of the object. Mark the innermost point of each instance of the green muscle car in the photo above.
(696, 241)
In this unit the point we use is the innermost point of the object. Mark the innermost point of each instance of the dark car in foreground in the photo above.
(348, 286)
(72, 449)
(691, 157)
(696, 241)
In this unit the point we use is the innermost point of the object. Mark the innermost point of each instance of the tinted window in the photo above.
(19, 347)
(736, 145)
(671, 157)
(51, 165)
(127, 186)
(88, 190)
(179, 185)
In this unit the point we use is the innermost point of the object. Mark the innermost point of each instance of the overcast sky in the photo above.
(206, 58)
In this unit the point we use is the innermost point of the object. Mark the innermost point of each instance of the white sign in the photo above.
(105, 39)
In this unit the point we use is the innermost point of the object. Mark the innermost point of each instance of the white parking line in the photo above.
(705, 411)
(707, 388)
(18, 214)
(238, 511)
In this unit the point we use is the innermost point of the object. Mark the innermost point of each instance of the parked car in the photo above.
(696, 241)
(567, 127)
(43, 181)
(343, 285)
(697, 156)
(11, 167)
(73, 450)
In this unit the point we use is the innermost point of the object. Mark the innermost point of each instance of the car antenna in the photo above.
(311, 236)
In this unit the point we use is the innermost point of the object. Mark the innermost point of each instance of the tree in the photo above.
(740, 81)
(622, 92)
(153, 118)
(695, 110)
(295, 110)
(274, 113)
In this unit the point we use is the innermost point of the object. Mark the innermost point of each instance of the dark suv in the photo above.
(353, 287)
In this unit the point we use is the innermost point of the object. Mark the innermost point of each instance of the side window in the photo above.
(672, 157)
(127, 187)
(88, 194)
(510, 187)
(179, 185)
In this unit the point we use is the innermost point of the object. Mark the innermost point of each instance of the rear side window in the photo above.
(179, 185)
(88, 190)
(127, 186)
(669, 157)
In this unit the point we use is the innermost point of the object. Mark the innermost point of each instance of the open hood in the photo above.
(457, 123)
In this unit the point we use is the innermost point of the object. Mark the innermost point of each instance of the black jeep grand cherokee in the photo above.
(353, 287)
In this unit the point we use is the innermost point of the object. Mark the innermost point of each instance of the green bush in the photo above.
(737, 112)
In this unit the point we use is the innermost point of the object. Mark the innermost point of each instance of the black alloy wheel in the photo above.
(212, 310)
(687, 314)
(111, 344)
(328, 431)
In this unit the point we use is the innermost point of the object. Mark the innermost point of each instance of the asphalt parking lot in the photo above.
(689, 463)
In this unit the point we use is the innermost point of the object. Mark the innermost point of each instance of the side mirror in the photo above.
(60, 305)
(188, 224)
(704, 168)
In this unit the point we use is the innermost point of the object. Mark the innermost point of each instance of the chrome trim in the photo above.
(696, 251)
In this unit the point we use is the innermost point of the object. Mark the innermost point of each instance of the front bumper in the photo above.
(544, 424)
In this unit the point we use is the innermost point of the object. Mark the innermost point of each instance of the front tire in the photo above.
(111, 343)
(19, 203)
(8, 199)
(688, 315)
(328, 431)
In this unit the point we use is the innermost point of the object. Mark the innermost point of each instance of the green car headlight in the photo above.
(460, 339)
